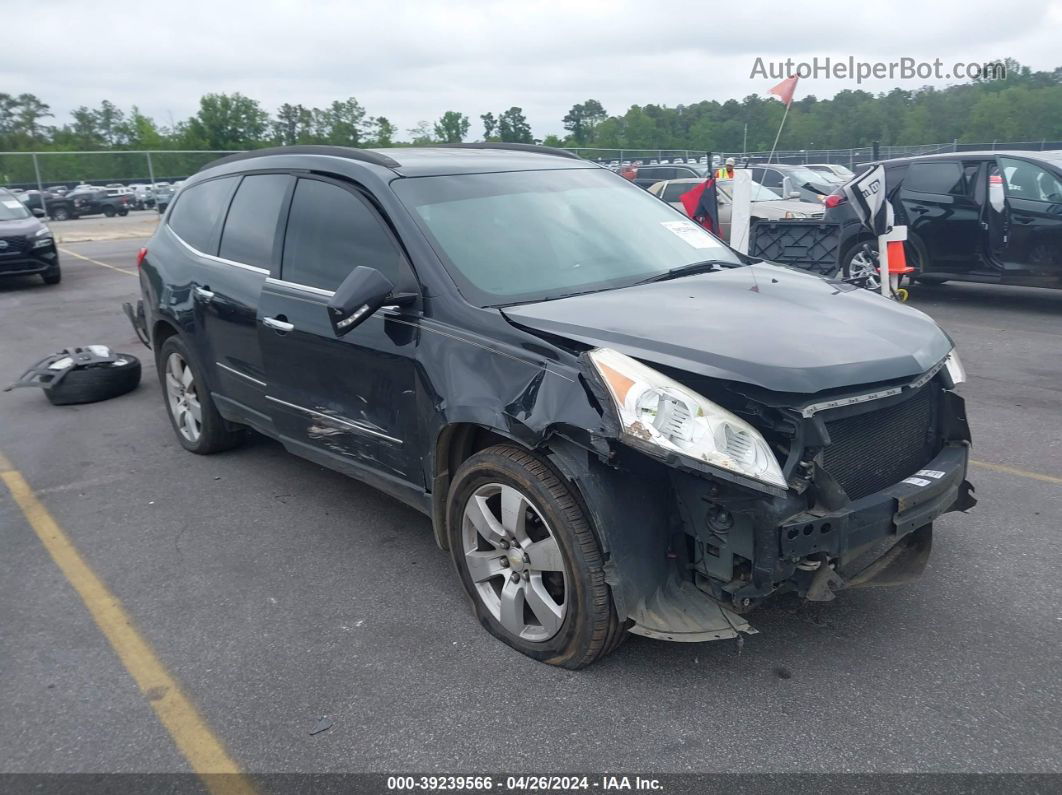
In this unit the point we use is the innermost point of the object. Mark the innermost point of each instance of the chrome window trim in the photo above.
(234, 371)
(306, 288)
(341, 420)
(212, 258)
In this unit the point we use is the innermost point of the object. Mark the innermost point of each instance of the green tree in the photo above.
(421, 134)
(382, 131)
(343, 123)
(452, 127)
(227, 121)
(513, 127)
(582, 119)
(490, 124)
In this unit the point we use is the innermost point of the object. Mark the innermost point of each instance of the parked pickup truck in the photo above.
(88, 202)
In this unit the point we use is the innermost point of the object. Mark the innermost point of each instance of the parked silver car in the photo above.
(766, 204)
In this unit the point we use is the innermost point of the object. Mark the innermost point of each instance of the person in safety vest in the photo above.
(726, 172)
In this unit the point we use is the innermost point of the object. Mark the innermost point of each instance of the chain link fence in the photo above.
(30, 170)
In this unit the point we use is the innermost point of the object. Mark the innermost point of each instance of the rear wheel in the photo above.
(109, 212)
(196, 421)
(529, 560)
(123, 213)
(61, 214)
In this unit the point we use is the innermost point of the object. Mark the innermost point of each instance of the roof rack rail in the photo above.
(542, 150)
(347, 152)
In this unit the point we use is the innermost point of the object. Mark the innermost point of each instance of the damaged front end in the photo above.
(864, 473)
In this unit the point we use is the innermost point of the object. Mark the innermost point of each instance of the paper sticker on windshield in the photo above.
(930, 473)
(690, 233)
(917, 481)
(12, 205)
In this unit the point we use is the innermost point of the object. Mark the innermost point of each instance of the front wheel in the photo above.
(62, 214)
(109, 212)
(528, 559)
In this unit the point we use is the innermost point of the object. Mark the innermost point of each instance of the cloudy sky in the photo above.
(414, 59)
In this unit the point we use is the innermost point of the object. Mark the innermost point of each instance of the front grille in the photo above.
(16, 244)
(869, 452)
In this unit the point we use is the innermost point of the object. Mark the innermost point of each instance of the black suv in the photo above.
(88, 202)
(26, 245)
(993, 217)
(603, 409)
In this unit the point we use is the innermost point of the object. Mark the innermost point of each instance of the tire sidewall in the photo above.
(574, 636)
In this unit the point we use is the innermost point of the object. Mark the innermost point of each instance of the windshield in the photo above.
(759, 192)
(526, 236)
(803, 176)
(11, 209)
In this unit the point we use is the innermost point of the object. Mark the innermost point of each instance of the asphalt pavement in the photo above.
(276, 592)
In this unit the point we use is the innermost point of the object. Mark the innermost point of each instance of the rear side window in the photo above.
(251, 226)
(939, 178)
(197, 216)
(331, 231)
(674, 190)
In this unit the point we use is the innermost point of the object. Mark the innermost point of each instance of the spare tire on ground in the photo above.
(83, 375)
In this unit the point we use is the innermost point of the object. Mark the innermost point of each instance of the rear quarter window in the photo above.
(250, 232)
(199, 211)
(942, 179)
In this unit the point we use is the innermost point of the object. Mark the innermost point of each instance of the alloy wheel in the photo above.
(515, 562)
(862, 265)
(183, 397)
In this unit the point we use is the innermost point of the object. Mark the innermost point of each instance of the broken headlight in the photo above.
(653, 409)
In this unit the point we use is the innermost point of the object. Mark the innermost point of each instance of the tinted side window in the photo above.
(772, 179)
(196, 218)
(251, 227)
(939, 178)
(674, 190)
(330, 232)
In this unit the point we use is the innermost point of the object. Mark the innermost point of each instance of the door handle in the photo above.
(277, 324)
(1024, 220)
(204, 293)
(920, 210)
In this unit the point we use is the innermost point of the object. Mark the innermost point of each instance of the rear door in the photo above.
(248, 254)
(937, 201)
(1032, 250)
(348, 401)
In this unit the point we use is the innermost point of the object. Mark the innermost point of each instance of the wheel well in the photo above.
(160, 332)
(456, 444)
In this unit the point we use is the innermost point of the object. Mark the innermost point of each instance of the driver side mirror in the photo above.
(37, 212)
(363, 292)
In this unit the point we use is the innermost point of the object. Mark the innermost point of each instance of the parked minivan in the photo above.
(992, 217)
(615, 422)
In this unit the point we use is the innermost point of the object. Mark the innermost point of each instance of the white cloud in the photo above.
(414, 60)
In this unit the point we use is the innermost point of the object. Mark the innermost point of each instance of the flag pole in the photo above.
(779, 134)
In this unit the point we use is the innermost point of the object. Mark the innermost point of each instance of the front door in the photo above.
(1032, 246)
(350, 400)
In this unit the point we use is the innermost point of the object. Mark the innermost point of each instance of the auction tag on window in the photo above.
(930, 473)
(690, 233)
(12, 205)
(917, 481)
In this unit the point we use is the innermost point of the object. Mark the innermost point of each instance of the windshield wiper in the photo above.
(705, 266)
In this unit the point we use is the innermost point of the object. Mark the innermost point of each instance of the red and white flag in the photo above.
(784, 90)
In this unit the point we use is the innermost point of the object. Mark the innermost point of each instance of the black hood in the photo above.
(19, 226)
(767, 325)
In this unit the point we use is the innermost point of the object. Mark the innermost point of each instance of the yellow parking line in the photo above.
(1023, 473)
(204, 752)
(97, 262)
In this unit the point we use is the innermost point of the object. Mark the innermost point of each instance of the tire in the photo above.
(580, 624)
(209, 434)
(109, 212)
(123, 213)
(61, 214)
(53, 276)
(858, 262)
(93, 384)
